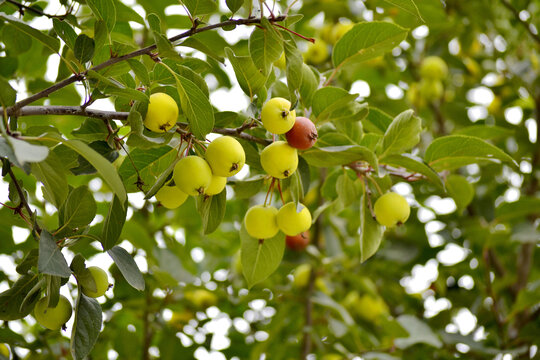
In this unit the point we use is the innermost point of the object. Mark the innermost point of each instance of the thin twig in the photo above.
(144, 51)
(23, 8)
(66, 110)
(525, 24)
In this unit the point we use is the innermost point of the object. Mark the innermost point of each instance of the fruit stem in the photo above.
(312, 40)
(375, 183)
(270, 188)
(280, 192)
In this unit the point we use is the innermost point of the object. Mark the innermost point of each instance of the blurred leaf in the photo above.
(234, 5)
(485, 132)
(260, 258)
(408, 6)
(51, 43)
(517, 209)
(26, 152)
(7, 94)
(128, 267)
(459, 188)
(15, 40)
(419, 332)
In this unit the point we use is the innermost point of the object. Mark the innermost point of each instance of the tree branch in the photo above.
(66, 110)
(144, 51)
(525, 24)
(23, 8)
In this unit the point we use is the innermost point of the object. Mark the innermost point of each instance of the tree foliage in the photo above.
(438, 101)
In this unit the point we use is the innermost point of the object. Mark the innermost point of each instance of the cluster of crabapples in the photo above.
(53, 318)
(433, 72)
(280, 160)
(193, 175)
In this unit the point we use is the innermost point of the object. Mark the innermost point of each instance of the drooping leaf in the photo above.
(15, 302)
(127, 267)
(212, 210)
(200, 7)
(370, 232)
(52, 175)
(84, 48)
(51, 43)
(260, 258)
(249, 78)
(265, 46)
(113, 223)
(419, 332)
(86, 327)
(460, 189)
(79, 209)
(104, 10)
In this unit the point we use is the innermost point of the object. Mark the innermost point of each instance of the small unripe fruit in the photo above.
(281, 63)
(102, 282)
(4, 351)
(317, 53)
(192, 175)
(216, 185)
(279, 159)
(171, 197)
(291, 221)
(226, 156)
(431, 90)
(339, 30)
(303, 134)
(162, 113)
(433, 67)
(298, 242)
(260, 222)
(301, 275)
(201, 298)
(53, 318)
(391, 209)
(277, 116)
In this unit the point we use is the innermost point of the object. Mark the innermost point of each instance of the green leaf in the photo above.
(419, 333)
(294, 61)
(140, 71)
(51, 43)
(15, 302)
(346, 190)
(111, 87)
(7, 94)
(91, 130)
(407, 6)
(84, 48)
(52, 175)
(15, 40)
(138, 138)
(104, 10)
(265, 46)
(454, 151)
(195, 105)
(332, 103)
(260, 258)
(200, 7)
(414, 164)
(249, 78)
(234, 5)
(113, 223)
(30, 260)
(65, 32)
(165, 48)
(150, 163)
(460, 189)
(79, 209)
(26, 152)
(486, 132)
(125, 13)
(200, 45)
(309, 85)
(86, 327)
(377, 121)
(402, 134)
(517, 209)
(370, 231)
(127, 267)
(212, 210)
(104, 167)
(366, 41)
(340, 155)
(51, 261)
